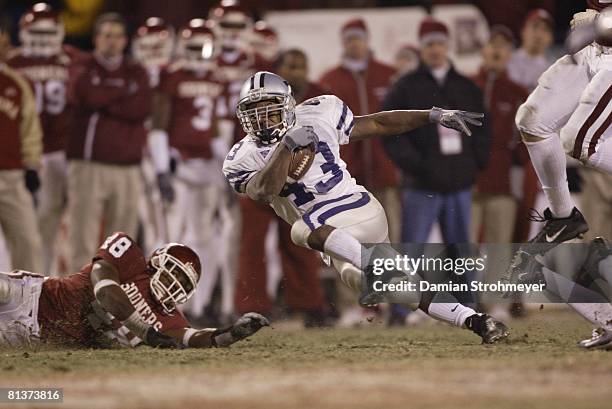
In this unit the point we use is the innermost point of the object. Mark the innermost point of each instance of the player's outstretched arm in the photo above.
(389, 123)
(269, 181)
(244, 327)
(105, 282)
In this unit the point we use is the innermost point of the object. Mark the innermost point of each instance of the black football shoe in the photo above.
(555, 231)
(559, 230)
(369, 296)
(488, 328)
(601, 339)
(599, 249)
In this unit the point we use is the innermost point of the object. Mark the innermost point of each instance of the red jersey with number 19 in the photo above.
(68, 312)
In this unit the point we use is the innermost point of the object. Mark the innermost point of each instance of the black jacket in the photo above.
(417, 152)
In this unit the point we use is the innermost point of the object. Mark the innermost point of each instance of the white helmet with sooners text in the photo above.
(176, 271)
(153, 43)
(266, 108)
(233, 25)
(196, 45)
(41, 31)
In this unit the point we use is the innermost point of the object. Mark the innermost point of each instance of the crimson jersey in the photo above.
(68, 312)
(598, 4)
(194, 98)
(48, 77)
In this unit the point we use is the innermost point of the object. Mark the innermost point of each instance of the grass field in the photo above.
(434, 366)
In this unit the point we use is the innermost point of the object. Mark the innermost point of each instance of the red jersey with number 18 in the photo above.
(68, 312)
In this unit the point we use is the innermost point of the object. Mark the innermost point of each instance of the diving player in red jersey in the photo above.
(120, 296)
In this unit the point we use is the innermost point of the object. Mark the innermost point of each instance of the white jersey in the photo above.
(327, 179)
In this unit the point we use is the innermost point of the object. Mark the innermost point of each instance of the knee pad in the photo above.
(529, 121)
(300, 233)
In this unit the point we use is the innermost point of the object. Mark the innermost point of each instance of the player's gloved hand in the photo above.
(455, 119)
(583, 17)
(164, 182)
(300, 137)
(156, 339)
(32, 181)
(244, 327)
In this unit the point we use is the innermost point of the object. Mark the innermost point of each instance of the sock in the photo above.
(345, 247)
(602, 158)
(549, 162)
(599, 314)
(445, 307)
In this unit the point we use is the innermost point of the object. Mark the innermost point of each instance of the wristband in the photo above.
(135, 324)
(103, 283)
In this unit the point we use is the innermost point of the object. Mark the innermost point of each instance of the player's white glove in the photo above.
(244, 327)
(300, 137)
(584, 17)
(455, 119)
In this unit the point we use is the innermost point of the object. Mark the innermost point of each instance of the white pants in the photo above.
(191, 221)
(367, 223)
(51, 204)
(566, 100)
(19, 294)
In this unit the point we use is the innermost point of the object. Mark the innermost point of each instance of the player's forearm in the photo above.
(269, 181)
(388, 123)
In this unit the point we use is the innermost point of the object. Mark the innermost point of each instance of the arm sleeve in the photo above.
(239, 167)
(30, 131)
(136, 106)
(124, 254)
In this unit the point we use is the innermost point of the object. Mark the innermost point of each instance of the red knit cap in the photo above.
(432, 30)
(540, 14)
(355, 26)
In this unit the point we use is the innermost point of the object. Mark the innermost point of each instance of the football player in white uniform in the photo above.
(328, 211)
(569, 112)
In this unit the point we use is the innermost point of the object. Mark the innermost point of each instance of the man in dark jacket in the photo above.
(439, 166)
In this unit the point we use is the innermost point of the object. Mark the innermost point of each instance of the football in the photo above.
(300, 162)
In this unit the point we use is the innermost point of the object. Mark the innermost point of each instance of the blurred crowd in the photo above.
(131, 135)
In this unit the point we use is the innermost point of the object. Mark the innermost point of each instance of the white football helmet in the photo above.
(153, 43)
(41, 31)
(233, 25)
(176, 271)
(196, 45)
(267, 122)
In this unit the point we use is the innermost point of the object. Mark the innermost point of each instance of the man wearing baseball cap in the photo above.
(439, 167)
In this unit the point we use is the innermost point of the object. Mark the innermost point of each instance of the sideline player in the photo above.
(184, 117)
(569, 112)
(120, 296)
(44, 62)
(329, 212)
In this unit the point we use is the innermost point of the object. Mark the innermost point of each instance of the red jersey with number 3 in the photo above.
(194, 98)
(68, 312)
(48, 77)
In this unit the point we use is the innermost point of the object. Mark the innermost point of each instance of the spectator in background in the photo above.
(362, 82)
(111, 99)
(439, 165)
(531, 59)
(494, 207)
(300, 266)
(407, 60)
(20, 157)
